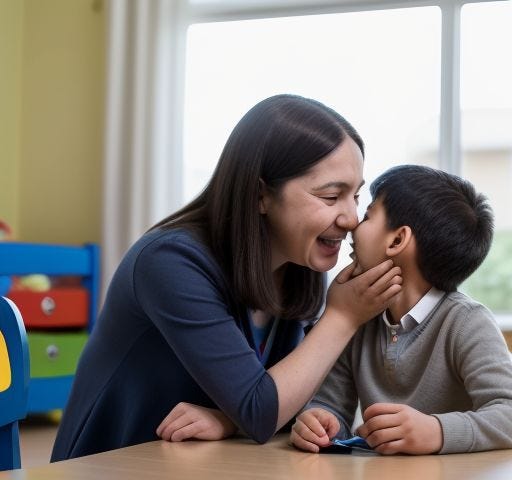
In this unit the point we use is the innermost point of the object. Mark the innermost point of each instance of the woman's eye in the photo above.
(365, 217)
(356, 198)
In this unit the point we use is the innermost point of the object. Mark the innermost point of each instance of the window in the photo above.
(388, 89)
(486, 127)
(392, 72)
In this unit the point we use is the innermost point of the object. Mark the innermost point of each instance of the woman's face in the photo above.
(310, 215)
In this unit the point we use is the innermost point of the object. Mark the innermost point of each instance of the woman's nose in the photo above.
(347, 219)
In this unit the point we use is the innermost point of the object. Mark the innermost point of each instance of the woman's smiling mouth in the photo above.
(330, 246)
(331, 242)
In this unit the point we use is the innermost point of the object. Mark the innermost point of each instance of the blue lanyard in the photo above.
(263, 339)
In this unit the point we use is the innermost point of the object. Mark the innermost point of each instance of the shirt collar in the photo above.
(420, 311)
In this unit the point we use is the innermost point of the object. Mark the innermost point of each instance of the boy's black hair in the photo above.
(452, 223)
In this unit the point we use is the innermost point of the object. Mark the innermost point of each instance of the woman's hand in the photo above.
(186, 420)
(393, 428)
(361, 298)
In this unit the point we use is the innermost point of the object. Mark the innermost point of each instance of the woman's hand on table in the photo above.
(186, 421)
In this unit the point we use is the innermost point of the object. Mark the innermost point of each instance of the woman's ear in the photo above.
(399, 239)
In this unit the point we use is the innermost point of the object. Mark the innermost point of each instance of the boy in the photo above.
(433, 373)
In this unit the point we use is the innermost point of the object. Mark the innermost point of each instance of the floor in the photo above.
(37, 434)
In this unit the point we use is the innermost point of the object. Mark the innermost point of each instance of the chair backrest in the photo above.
(14, 380)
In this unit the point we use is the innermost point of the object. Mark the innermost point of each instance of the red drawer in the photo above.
(55, 308)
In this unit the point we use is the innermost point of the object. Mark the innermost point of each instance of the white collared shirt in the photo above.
(419, 312)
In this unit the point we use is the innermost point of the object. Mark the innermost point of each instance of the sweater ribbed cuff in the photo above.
(458, 436)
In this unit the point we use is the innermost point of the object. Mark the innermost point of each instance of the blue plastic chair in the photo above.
(14, 379)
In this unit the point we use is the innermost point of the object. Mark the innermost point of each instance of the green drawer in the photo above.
(55, 354)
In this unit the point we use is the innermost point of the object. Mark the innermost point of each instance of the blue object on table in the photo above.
(354, 442)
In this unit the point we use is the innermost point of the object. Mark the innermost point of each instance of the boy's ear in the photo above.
(399, 239)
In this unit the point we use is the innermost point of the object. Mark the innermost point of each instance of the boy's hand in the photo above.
(186, 420)
(393, 428)
(313, 429)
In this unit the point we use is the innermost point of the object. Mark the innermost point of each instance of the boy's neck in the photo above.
(414, 287)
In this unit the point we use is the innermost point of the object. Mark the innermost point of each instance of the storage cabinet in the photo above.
(55, 354)
(57, 320)
(54, 308)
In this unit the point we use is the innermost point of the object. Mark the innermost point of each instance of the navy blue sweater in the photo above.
(170, 331)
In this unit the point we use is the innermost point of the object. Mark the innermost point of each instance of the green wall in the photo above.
(55, 114)
(11, 15)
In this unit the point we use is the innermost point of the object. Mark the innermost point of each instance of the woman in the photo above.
(203, 316)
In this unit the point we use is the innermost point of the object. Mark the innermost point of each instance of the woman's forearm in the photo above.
(350, 303)
(299, 375)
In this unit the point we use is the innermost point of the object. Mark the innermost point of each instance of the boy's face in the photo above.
(371, 238)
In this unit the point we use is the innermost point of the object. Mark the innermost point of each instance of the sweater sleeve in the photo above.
(483, 362)
(182, 291)
(338, 394)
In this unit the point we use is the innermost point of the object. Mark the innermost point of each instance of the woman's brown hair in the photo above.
(280, 138)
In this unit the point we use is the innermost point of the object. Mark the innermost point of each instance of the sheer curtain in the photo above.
(142, 180)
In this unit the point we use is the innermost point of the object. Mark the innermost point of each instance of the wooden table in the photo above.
(243, 459)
